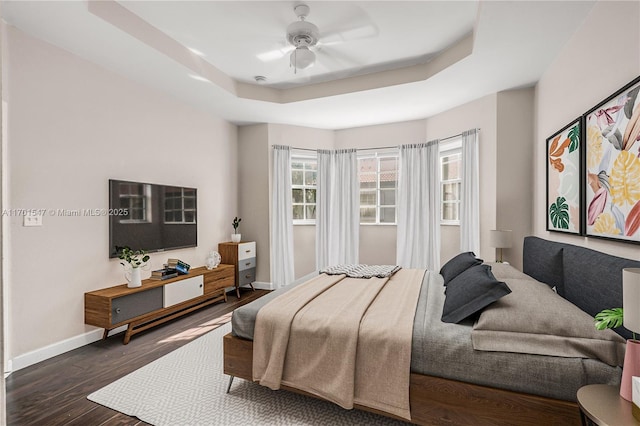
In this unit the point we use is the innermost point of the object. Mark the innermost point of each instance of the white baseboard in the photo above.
(58, 348)
(55, 349)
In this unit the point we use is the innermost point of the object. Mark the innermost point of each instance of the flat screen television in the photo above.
(151, 217)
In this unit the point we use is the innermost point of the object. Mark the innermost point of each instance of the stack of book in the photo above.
(181, 267)
(164, 274)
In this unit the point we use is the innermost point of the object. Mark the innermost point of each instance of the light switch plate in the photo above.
(32, 220)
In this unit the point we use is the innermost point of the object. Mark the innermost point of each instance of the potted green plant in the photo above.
(236, 237)
(609, 318)
(134, 260)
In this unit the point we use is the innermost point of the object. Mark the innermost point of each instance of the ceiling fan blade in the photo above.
(337, 36)
(335, 60)
(275, 54)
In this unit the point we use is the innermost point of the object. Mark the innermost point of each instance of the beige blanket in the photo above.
(347, 340)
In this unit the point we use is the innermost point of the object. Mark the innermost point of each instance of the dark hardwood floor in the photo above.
(53, 392)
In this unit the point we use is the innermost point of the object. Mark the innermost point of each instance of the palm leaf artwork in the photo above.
(574, 137)
(608, 318)
(559, 213)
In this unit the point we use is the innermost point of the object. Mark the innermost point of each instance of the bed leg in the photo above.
(230, 383)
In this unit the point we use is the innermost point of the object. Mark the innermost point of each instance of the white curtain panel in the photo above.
(470, 194)
(337, 208)
(418, 239)
(281, 236)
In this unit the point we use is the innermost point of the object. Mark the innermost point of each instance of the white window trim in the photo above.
(447, 148)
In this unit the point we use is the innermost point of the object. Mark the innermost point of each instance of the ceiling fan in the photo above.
(302, 35)
(304, 43)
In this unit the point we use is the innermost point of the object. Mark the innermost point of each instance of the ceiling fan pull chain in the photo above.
(295, 61)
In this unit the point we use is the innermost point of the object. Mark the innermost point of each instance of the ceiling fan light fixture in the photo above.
(302, 58)
(302, 32)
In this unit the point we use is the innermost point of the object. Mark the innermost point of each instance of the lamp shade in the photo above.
(631, 298)
(500, 238)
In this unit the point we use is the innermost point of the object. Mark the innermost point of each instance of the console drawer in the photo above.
(247, 276)
(245, 264)
(246, 250)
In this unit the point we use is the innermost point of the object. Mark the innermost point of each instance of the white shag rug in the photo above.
(188, 388)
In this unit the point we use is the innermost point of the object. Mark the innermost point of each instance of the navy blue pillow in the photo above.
(470, 292)
(457, 265)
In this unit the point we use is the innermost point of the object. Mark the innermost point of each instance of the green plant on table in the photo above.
(235, 224)
(610, 318)
(135, 258)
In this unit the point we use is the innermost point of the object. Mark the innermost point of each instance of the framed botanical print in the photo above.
(564, 189)
(612, 166)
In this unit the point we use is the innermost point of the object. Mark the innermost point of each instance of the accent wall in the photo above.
(71, 127)
(601, 57)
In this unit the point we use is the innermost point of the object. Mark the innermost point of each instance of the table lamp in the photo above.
(500, 239)
(631, 299)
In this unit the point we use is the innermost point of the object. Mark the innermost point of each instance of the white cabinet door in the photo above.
(183, 290)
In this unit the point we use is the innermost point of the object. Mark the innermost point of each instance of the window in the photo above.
(179, 205)
(134, 198)
(378, 175)
(303, 189)
(451, 182)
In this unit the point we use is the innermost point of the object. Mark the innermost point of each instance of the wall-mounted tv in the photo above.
(151, 217)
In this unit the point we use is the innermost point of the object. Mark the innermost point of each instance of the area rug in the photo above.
(188, 388)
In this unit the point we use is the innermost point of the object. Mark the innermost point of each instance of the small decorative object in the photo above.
(563, 179)
(236, 237)
(213, 260)
(612, 184)
(629, 316)
(134, 260)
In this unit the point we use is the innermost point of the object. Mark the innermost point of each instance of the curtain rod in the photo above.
(383, 147)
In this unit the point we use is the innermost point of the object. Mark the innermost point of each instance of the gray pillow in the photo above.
(470, 292)
(457, 265)
(533, 319)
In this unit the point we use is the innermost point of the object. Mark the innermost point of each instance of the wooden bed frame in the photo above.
(579, 275)
(437, 401)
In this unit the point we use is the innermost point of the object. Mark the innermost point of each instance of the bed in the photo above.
(451, 383)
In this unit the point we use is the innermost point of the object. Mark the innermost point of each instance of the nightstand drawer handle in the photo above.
(247, 276)
(117, 310)
(248, 263)
(247, 251)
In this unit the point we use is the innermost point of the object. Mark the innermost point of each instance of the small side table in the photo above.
(602, 405)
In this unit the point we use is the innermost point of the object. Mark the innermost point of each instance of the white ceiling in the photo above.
(513, 42)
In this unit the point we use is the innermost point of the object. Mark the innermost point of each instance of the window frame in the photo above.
(380, 155)
(182, 209)
(304, 158)
(449, 148)
(145, 198)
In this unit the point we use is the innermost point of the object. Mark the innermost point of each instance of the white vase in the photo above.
(236, 238)
(133, 278)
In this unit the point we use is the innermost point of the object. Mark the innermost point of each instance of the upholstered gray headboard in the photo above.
(587, 278)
